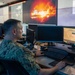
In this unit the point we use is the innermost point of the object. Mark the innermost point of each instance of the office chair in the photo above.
(11, 67)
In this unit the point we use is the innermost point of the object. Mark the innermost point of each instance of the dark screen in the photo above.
(33, 27)
(50, 33)
(30, 35)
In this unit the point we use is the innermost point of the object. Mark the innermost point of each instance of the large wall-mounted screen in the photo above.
(40, 12)
(66, 13)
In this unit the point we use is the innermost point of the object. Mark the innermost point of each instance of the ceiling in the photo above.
(4, 3)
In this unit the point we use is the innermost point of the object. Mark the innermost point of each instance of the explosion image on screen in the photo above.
(42, 10)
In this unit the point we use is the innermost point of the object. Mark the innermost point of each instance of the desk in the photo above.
(44, 61)
(64, 47)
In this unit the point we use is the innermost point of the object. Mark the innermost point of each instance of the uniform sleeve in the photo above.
(28, 62)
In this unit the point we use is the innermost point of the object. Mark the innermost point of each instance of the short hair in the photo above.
(9, 23)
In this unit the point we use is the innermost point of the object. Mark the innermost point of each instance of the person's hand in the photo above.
(60, 65)
(39, 53)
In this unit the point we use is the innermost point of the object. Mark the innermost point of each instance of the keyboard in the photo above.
(53, 63)
(59, 73)
(56, 53)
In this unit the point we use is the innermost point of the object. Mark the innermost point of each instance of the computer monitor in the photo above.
(33, 27)
(50, 33)
(30, 35)
(69, 35)
(66, 13)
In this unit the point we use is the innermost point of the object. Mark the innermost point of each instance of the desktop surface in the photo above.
(48, 62)
(45, 62)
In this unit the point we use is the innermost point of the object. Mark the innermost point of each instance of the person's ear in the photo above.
(14, 31)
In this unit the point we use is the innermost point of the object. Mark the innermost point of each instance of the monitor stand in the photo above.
(72, 47)
(51, 44)
(45, 48)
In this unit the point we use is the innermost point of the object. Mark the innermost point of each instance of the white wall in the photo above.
(65, 3)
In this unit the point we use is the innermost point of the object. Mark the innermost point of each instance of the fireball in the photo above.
(42, 10)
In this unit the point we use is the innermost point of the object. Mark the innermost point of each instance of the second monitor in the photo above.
(30, 35)
(50, 33)
(69, 35)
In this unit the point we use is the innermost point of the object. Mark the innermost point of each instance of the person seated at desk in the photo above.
(10, 49)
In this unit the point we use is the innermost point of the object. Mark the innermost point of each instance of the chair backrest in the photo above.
(12, 67)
